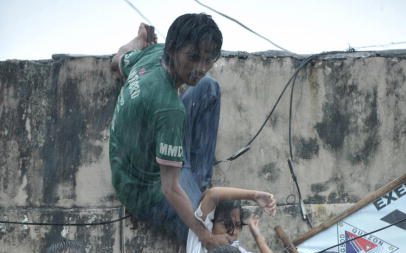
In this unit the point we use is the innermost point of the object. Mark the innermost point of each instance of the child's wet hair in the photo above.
(224, 208)
(193, 29)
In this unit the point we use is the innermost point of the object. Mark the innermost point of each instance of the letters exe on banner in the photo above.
(388, 209)
(389, 197)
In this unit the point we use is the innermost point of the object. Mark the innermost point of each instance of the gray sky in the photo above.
(36, 29)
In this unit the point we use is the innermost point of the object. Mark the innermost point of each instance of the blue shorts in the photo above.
(202, 104)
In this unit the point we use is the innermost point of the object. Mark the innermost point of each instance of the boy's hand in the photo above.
(216, 240)
(267, 201)
(146, 36)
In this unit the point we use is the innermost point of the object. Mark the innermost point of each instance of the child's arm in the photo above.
(216, 194)
(259, 238)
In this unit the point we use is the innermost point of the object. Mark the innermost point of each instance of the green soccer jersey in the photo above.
(146, 130)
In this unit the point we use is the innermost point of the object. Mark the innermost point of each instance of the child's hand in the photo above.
(253, 226)
(267, 201)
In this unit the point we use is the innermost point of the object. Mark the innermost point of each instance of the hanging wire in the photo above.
(302, 207)
(382, 45)
(65, 224)
(245, 27)
(291, 81)
(248, 145)
(144, 17)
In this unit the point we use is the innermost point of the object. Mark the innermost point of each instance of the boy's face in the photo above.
(191, 63)
(232, 227)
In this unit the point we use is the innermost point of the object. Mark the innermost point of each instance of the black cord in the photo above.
(290, 118)
(143, 16)
(382, 45)
(302, 65)
(248, 145)
(138, 11)
(355, 238)
(305, 217)
(245, 27)
(65, 224)
(290, 161)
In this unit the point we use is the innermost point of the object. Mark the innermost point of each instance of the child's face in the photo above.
(192, 64)
(233, 227)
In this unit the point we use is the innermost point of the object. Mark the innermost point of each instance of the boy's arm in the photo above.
(179, 200)
(216, 194)
(145, 37)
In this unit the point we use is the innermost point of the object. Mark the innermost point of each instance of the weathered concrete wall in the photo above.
(348, 129)
(349, 138)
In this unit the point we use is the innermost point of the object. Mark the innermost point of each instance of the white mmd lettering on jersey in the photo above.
(134, 89)
(113, 123)
(117, 109)
(180, 151)
(121, 99)
(128, 56)
(134, 86)
(172, 150)
(126, 59)
(169, 150)
(133, 76)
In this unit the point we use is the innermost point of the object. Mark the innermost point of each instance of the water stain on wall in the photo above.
(270, 171)
(350, 120)
(61, 152)
(306, 148)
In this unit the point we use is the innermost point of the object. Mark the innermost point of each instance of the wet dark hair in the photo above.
(193, 29)
(225, 249)
(224, 208)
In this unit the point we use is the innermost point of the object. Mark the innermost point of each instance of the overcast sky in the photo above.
(36, 29)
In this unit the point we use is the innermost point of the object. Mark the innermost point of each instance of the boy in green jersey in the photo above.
(162, 146)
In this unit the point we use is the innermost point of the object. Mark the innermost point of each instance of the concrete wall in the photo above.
(348, 138)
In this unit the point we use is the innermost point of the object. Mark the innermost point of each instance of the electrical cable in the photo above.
(302, 65)
(290, 118)
(138, 11)
(302, 207)
(246, 147)
(65, 224)
(245, 27)
(382, 45)
(357, 237)
(232, 157)
(290, 160)
(144, 17)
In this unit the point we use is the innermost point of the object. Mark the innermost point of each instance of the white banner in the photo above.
(387, 209)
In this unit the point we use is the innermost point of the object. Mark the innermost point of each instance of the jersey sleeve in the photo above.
(169, 138)
(128, 60)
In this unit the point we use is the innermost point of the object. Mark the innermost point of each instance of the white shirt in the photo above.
(194, 245)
